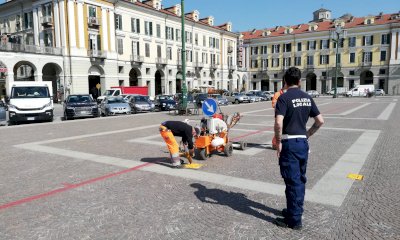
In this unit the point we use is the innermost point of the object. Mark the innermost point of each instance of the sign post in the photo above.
(209, 107)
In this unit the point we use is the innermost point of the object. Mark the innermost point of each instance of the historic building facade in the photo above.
(79, 44)
(368, 52)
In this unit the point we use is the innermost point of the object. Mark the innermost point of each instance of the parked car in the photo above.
(80, 106)
(165, 102)
(253, 97)
(379, 92)
(235, 97)
(313, 93)
(3, 113)
(199, 99)
(114, 105)
(269, 94)
(220, 99)
(140, 103)
(260, 94)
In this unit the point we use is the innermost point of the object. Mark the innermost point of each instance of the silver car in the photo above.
(141, 104)
(113, 106)
(3, 117)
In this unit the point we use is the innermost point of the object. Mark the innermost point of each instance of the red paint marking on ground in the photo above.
(69, 187)
(252, 133)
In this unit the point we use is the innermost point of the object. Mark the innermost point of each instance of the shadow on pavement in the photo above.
(160, 160)
(234, 200)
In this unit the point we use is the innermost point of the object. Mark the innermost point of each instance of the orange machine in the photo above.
(214, 136)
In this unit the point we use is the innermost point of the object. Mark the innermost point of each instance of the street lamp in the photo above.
(183, 53)
(335, 36)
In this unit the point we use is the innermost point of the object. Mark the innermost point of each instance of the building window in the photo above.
(385, 39)
(324, 59)
(264, 63)
(352, 57)
(135, 48)
(92, 12)
(158, 27)
(254, 63)
(352, 41)
(368, 40)
(310, 60)
(287, 62)
(169, 53)
(297, 61)
(276, 48)
(367, 57)
(178, 35)
(254, 76)
(264, 50)
(324, 44)
(169, 33)
(159, 54)
(135, 25)
(148, 28)
(323, 74)
(188, 37)
(311, 45)
(254, 50)
(120, 69)
(287, 47)
(118, 22)
(204, 41)
(28, 20)
(120, 46)
(275, 62)
(383, 55)
(189, 55)
(147, 49)
(196, 39)
(382, 71)
(299, 47)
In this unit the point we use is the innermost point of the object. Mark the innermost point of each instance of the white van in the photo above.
(30, 101)
(361, 91)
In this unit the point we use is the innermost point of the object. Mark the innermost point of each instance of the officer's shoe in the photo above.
(285, 213)
(281, 222)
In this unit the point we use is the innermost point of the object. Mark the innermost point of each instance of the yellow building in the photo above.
(79, 44)
(368, 52)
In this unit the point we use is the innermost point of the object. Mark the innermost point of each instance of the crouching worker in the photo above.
(169, 130)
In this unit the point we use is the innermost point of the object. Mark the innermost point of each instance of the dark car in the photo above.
(199, 99)
(165, 102)
(80, 106)
(141, 103)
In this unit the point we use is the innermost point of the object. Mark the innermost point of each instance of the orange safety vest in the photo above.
(275, 97)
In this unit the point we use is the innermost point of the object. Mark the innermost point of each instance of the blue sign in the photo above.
(209, 107)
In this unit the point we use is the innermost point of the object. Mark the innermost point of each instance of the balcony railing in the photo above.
(47, 20)
(96, 54)
(5, 30)
(135, 59)
(199, 64)
(93, 21)
(161, 61)
(230, 49)
(367, 63)
(231, 67)
(214, 65)
(13, 47)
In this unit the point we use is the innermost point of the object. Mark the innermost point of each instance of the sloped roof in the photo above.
(322, 26)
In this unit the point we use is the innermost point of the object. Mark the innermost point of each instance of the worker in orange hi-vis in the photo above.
(274, 100)
(169, 130)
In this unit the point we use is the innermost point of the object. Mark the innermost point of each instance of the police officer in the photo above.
(293, 109)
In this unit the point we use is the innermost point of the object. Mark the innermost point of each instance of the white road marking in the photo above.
(333, 187)
(387, 112)
(354, 109)
(355, 118)
(395, 100)
(260, 115)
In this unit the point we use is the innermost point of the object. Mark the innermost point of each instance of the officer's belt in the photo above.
(286, 136)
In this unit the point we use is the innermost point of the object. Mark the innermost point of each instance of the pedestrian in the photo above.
(273, 102)
(292, 111)
(169, 130)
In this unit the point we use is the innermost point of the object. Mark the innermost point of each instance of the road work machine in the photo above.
(214, 136)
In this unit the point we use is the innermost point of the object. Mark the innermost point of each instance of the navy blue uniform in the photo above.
(297, 107)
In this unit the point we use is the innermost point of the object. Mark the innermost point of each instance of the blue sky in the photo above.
(249, 14)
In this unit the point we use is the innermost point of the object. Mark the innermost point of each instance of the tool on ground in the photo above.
(184, 152)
